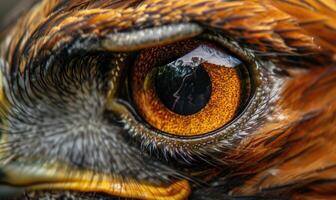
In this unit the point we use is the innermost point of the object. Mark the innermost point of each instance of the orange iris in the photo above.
(225, 84)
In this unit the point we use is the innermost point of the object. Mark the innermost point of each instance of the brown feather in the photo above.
(294, 154)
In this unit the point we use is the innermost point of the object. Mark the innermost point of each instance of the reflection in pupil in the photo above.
(183, 89)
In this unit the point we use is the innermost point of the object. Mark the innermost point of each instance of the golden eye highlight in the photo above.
(188, 88)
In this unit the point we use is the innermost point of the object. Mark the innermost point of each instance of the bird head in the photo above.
(169, 99)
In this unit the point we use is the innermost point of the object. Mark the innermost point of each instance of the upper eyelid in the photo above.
(150, 37)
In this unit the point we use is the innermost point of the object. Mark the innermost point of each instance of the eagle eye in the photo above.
(189, 88)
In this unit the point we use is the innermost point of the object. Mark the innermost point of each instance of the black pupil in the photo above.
(183, 89)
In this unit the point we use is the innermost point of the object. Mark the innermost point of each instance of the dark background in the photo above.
(6, 6)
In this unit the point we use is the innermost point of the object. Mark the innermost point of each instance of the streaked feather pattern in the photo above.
(291, 156)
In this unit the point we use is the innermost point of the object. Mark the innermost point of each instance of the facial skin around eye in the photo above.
(75, 121)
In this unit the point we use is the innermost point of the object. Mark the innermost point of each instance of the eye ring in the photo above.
(228, 134)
